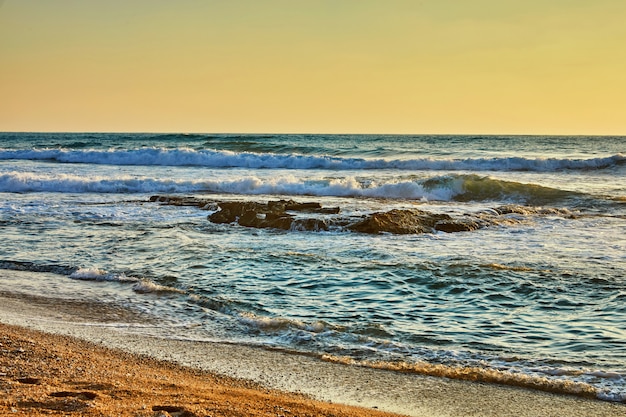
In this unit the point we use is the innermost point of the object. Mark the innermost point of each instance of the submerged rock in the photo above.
(530, 210)
(308, 207)
(184, 201)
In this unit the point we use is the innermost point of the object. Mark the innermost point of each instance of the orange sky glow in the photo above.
(281, 66)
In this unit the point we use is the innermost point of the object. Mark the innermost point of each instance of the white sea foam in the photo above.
(277, 324)
(141, 286)
(21, 182)
(145, 286)
(268, 323)
(95, 274)
(612, 395)
(24, 182)
(228, 159)
(438, 188)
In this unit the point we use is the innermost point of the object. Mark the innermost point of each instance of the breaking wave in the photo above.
(438, 188)
(95, 274)
(229, 159)
(141, 286)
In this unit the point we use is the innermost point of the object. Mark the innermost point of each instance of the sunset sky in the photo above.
(317, 66)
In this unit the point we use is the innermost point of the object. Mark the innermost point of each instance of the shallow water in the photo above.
(540, 295)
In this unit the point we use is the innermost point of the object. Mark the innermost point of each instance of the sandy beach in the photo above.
(43, 374)
(52, 362)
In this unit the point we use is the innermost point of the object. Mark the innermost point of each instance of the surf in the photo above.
(453, 187)
(155, 156)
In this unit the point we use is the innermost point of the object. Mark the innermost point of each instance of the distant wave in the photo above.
(228, 159)
(437, 188)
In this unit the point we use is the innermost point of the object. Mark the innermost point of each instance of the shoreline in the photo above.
(43, 374)
(370, 389)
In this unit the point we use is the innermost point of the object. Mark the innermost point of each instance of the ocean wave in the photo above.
(228, 159)
(95, 274)
(555, 378)
(145, 286)
(27, 182)
(140, 286)
(277, 324)
(486, 188)
(438, 188)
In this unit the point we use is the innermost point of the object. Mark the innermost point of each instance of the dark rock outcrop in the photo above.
(311, 216)
(453, 226)
(232, 211)
(184, 201)
(400, 222)
(274, 214)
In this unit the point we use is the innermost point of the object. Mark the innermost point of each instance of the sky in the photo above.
(316, 66)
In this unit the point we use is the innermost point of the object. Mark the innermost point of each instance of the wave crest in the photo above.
(229, 159)
(438, 188)
(95, 274)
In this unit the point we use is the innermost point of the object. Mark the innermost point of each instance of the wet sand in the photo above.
(55, 360)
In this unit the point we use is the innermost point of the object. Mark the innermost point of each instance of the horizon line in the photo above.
(137, 132)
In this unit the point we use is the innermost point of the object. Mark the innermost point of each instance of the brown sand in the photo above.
(43, 374)
(47, 374)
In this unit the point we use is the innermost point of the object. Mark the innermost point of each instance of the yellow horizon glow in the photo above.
(279, 66)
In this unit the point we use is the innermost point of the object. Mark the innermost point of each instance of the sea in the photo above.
(535, 299)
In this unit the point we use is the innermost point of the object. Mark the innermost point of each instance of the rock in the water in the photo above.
(266, 220)
(309, 216)
(232, 211)
(310, 224)
(307, 207)
(452, 226)
(178, 201)
(272, 215)
(400, 222)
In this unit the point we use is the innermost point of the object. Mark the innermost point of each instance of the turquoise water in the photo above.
(535, 299)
